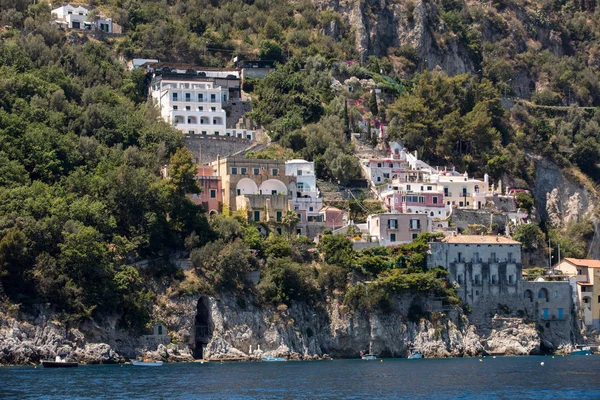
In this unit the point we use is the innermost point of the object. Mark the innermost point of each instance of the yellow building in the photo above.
(259, 186)
(587, 277)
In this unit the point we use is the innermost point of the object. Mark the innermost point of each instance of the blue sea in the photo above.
(569, 377)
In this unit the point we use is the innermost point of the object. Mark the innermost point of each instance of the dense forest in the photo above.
(82, 199)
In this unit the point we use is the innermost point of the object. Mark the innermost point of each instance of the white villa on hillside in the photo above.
(77, 18)
(194, 105)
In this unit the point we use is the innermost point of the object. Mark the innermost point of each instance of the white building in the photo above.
(194, 105)
(307, 202)
(463, 191)
(77, 18)
(480, 266)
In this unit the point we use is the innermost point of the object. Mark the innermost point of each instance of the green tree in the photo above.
(270, 51)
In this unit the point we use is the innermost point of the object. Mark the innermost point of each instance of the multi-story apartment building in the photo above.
(395, 228)
(307, 202)
(258, 186)
(211, 195)
(193, 103)
(462, 191)
(587, 279)
(481, 266)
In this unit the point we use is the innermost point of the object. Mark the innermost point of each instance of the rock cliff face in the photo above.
(382, 24)
(559, 200)
(240, 330)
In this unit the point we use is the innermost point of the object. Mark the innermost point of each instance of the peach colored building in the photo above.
(211, 196)
(395, 228)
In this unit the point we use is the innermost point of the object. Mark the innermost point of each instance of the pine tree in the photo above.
(373, 104)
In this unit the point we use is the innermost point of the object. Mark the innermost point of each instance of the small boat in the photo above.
(271, 359)
(147, 363)
(370, 356)
(59, 362)
(414, 354)
(582, 351)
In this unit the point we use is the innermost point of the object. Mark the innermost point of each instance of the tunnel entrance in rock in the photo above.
(203, 327)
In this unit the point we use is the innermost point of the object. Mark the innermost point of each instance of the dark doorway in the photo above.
(203, 327)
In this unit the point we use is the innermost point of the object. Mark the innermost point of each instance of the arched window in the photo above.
(528, 295)
(543, 294)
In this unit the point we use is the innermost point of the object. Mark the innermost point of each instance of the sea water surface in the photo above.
(568, 377)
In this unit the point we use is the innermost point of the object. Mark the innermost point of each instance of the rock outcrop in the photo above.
(245, 331)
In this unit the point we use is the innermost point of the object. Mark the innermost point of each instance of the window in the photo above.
(415, 235)
(216, 133)
(392, 224)
(546, 313)
(429, 188)
(213, 98)
(493, 257)
(190, 132)
(460, 204)
(459, 278)
(408, 187)
(200, 108)
(275, 171)
(244, 170)
(392, 237)
(213, 193)
(233, 170)
(560, 313)
(257, 215)
(476, 257)
(477, 279)
(213, 109)
(273, 192)
(435, 199)
(174, 96)
(298, 231)
(311, 209)
(160, 329)
(278, 216)
(598, 299)
(459, 257)
(239, 192)
(188, 97)
(214, 121)
(378, 165)
(510, 257)
(510, 279)
(415, 224)
(378, 179)
(256, 171)
(299, 172)
(494, 279)
(204, 132)
(175, 107)
(579, 272)
(200, 97)
(299, 217)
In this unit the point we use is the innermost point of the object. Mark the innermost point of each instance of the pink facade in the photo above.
(390, 229)
(211, 195)
(417, 202)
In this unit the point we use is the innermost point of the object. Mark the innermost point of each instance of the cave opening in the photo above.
(203, 327)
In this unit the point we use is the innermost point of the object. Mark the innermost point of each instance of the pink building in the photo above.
(211, 195)
(333, 217)
(430, 203)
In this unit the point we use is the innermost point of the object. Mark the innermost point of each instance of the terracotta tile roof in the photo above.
(489, 239)
(584, 263)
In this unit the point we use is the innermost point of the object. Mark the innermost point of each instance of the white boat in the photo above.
(271, 359)
(147, 363)
(414, 354)
(370, 356)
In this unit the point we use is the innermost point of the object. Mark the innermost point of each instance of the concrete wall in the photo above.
(206, 148)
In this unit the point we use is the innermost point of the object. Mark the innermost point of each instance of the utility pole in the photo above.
(549, 254)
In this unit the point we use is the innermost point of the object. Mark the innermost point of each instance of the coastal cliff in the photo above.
(240, 330)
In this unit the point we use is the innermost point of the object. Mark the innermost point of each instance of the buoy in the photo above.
(121, 365)
(494, 357)
(552, 356)
(480, 360)
(381, 360)
(542, 363)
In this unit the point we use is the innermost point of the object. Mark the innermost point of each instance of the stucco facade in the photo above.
(587, 277)
(480, 266)
(211, 195)
(395, 228)
(259, 186)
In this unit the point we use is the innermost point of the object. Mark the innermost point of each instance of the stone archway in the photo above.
(203, 327)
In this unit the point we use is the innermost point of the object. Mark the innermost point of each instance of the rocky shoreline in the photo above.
(249, 332)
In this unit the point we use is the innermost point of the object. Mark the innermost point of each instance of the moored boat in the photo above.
(370, 356)
(414, 354)
(582, 351)
(147, 363)
(59, 362)
(270, 359)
